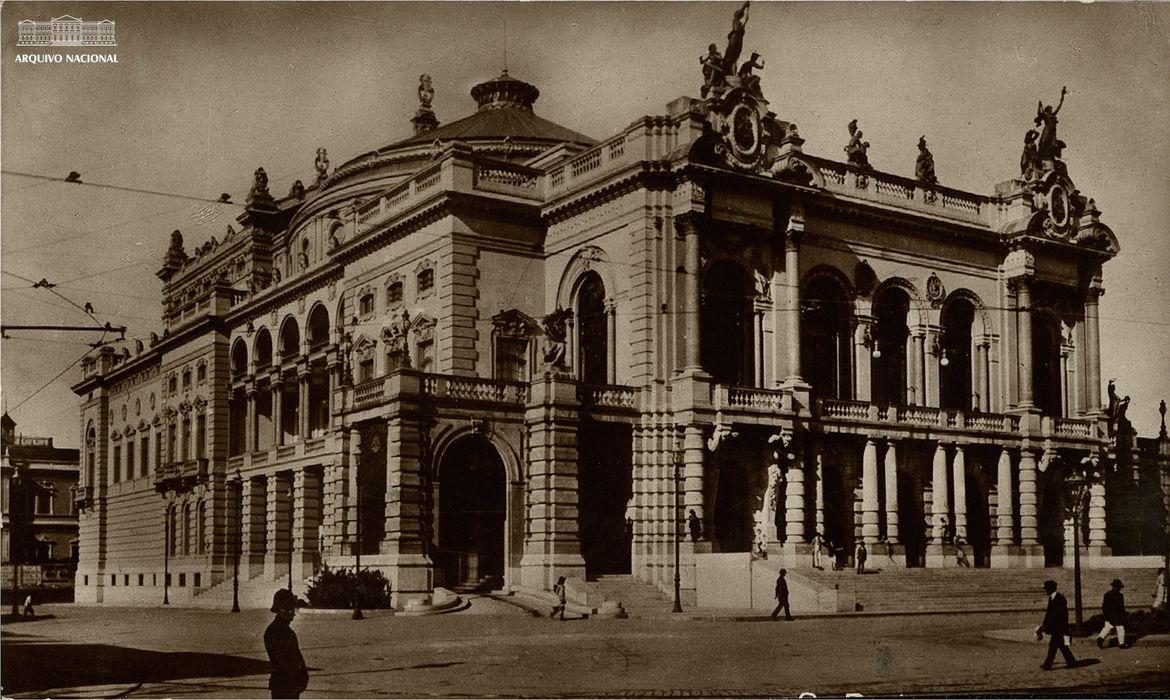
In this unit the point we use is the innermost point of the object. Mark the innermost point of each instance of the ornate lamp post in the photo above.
(238, 484)
(347, 380)
(678, 458)
(1083, 476)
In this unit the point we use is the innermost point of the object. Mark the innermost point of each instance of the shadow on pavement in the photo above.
(29, 666)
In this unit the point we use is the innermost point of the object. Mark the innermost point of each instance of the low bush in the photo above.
(342, 588)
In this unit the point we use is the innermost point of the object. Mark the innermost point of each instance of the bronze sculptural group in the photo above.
(721, 71)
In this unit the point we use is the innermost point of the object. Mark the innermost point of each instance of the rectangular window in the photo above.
(393, 361)
(158, 449)
(186, 379)
(182, 580)
(169, 580)
(129, 459)
(172, 436)
(200, 435)
(185, 453)
(113, 580)
(394, 293)
(426, 280)
(366, 370)
(145, 451)
(366, 305)
(125, 579)
(85, 580)
(201, 373)
(198, 579)
(117, 465)
(141, 579)
(44, 504)
(512, 359)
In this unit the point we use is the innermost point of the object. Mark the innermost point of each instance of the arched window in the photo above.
(290, 339)
(1046, 379)
(728, 348)
(239, 358)
(263, 348)
(91, 456)
(890, 334)
(825, 343)
(318, 327)
(591, 330)
(954, 355)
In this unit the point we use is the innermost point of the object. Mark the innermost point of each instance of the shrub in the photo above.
(341, 588)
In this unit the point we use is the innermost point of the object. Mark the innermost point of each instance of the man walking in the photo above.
(1055, 624)
(782, 596)
(289, 676)
(862, 554)
(817, 543)
(559, 592)
(1113, 609)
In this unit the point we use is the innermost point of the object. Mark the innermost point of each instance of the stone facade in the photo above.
(504, 354)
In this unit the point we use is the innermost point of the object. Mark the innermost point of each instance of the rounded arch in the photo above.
(318, 326)
(891, 332)
(830, 272)
(262, 349)
(452, 434)
(982, 319)
(290, 337)
(1047, 347)
(918, 305)
(587, 259)
(954, 352)
(239, 358)
(589, 309)
(826, 333)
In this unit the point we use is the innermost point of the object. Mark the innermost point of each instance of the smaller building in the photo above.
(39, 519)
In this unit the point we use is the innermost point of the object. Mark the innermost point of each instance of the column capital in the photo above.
(688, 223)
(1094, 293)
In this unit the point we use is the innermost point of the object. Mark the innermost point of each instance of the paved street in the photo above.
(496, 649)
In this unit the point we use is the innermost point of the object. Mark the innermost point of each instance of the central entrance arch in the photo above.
(472, 515)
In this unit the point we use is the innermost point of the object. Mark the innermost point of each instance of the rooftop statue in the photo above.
(735, 39)
(259, 185)
(856, 151)
(713, 77)
(1030, 165)
(747, 80)
(322, 165)
(924, 167)
(1048, 145)
(426, 93)
(1115, 412)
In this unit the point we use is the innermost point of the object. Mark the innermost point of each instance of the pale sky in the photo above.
(204, 93)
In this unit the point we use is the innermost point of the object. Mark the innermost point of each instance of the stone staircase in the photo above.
(638, 599)
(972, 590)
(254, 593)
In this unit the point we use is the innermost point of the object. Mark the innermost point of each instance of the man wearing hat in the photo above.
(1113, 609)
(289, 676)
(1055, 625)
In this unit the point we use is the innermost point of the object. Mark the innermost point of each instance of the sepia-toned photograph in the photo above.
(584, 349)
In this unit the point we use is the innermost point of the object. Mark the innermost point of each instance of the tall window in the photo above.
(425, 281)
(728, 343)
(366, 305)
(954, 355)
(592, 332)
(826, 335)
(129, 458)
(512, 359)
(172, 437)
(145, 454)
(890, 335)
(366, 370)
(117, 465)
(1046, 379)
(394, 293)
(185, 452)
(200, 435)
(44, 500)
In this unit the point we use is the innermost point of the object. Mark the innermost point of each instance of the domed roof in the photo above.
(505, 111)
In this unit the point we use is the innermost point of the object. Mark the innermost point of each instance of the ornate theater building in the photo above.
(498, 351)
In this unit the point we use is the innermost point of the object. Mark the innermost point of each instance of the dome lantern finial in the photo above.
(503, 92)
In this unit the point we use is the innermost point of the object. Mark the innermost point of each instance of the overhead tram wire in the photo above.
(136, 190)
(55, 378)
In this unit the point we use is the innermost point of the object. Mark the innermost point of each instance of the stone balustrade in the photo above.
(1072, 427)
(507, 178)
(441, 386)
(925, 416)
(609, 396)
(906, 192)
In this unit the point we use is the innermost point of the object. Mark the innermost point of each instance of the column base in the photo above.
(540, 571)
(304, 565)
(1092, 556)
(275, 567)
(887, 555)
(941, 556)
(1015, 556)
(251, 566)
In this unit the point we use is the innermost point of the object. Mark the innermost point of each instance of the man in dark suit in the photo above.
(1056, 626)
(782, 596)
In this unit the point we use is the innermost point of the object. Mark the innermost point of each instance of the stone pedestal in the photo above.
(254, 535)
(1014, 556)
(941, 556)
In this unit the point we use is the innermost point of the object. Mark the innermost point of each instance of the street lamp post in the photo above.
(677, 518)
(1078, 485)
(291, 542)
(357, 575)
(167, 556)
(239, 493)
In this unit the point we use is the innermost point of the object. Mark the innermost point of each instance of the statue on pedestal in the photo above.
(426, 92)
(856, 152)
(322, 165)
(735, 39)
(555, 339)
(1048, 145)
(747, 79)
(924, 166)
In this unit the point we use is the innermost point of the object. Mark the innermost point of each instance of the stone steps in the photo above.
(254, 593)
(636, 598)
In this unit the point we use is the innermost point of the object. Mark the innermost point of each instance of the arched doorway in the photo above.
(593, 338)
(736, 491)
(728, 348)
(824, 347)
(472, 514)
(889, 362)
(955, 356)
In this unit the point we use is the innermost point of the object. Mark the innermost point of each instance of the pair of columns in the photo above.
(280, 520)
(276, 391)
(872, 500)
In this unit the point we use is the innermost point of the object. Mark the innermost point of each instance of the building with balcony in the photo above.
(498, 351)
(39, 528)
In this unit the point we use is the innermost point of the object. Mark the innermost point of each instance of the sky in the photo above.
(204, 93)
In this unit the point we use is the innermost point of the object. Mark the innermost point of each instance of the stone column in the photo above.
(959, 479)
(983, 363)
(250, 419)
(1092, 351)
(1024, 340)
(278, 548)
(1097, 531)
(611, 342)
(891, 465)
(306, 524)
(346, 508)
(870, 517)
(552, 547)
(692, 359)
(1004, 508)
(792, 240)
(939, 492)
(1029, 532)
(917, 365)
(862, 357)
(932, 393)
(793, 497)
(778, 345)
(758, 345)
(277, 411)
(303, 403)
(254, 541)
(820, 493)
(692, 472)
